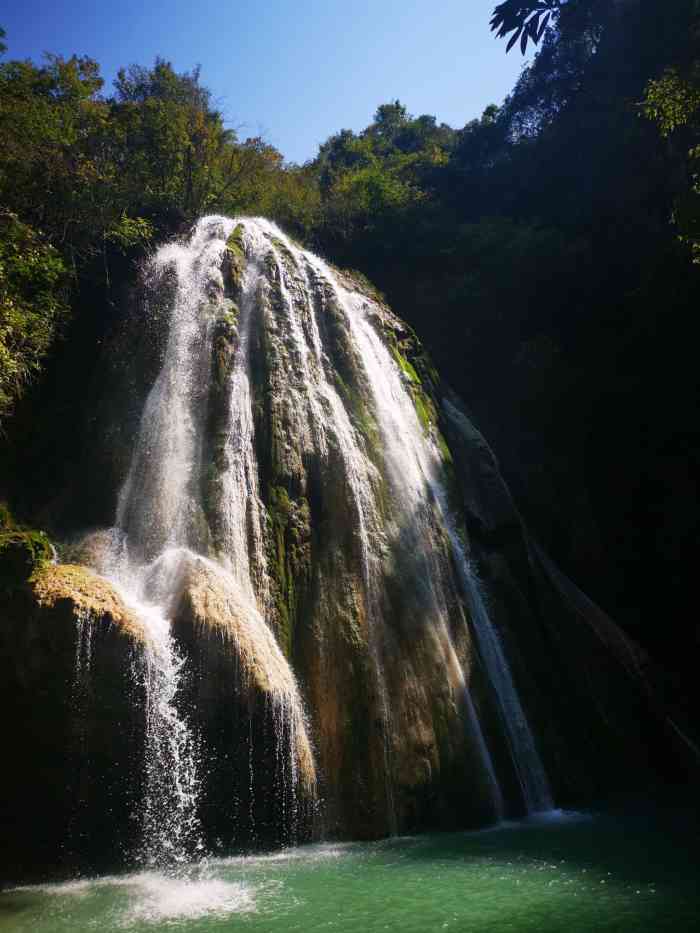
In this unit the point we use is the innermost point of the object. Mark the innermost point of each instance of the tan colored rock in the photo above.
(212, 612)
(87, 593)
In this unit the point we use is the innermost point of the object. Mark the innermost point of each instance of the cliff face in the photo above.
(74, 724)
(333, 604)
(597, 701)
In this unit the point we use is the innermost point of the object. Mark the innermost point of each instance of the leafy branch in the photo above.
(527, 21)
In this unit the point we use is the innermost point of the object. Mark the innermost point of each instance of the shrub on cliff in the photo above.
(22, 551)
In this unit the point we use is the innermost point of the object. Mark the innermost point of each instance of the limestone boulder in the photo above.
(243, 702)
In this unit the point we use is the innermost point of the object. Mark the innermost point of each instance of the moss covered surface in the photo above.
(235, 258)
(241, 700)
(420, 376)
(289, 559)
(225, 343)
(22, 550)
(357, 281)
(87, 593)
(427, 391)
(284, 253)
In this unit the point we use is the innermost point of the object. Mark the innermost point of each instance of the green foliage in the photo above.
(375, 181)
(97, 179)
(289, 558)
(22, 550)
(96, 173)
(55, 168)
(130, 232)
(673, 103)
(405, 365)
(32, 305)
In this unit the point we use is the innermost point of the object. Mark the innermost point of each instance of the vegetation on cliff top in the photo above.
(489, 210)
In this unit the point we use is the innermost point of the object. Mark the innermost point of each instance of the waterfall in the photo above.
(528, 765)
(321, 420)
(159, 533)
(415, 468)
(155, 525)
(307, 365)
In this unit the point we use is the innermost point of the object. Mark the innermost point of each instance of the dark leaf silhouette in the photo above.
(523, 20)
(513, 39)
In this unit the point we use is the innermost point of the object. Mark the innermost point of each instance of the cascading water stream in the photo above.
(155, 525)
(528, 764)
(414, 469)
(242, 548)
(158, 533)
(415, 466)
(322, 421)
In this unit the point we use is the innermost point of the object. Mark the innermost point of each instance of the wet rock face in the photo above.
(75, 736)
(241, 699)
(487, 503)
(384, 706)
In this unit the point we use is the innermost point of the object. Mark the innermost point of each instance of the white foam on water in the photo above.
(156, 897)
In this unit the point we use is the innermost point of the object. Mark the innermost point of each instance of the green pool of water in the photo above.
(560, 874)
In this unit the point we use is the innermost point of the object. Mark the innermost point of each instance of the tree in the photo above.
(33, 303)
(673, 103)
(526, 20)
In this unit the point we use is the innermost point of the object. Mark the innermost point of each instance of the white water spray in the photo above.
(158, 531)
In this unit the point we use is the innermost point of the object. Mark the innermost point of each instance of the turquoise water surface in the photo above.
(559, 873)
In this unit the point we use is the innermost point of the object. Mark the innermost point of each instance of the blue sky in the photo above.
(294, 71)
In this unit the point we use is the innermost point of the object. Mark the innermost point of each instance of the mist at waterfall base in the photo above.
(633, 871)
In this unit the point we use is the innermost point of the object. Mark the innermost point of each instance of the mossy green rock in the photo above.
(21, 553)
(22, 550)
(235, 258)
